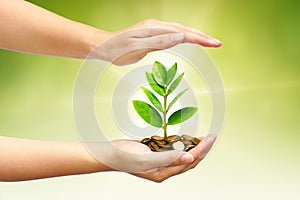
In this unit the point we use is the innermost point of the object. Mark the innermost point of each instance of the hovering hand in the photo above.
(133, 43)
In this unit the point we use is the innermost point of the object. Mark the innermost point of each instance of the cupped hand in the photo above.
(134, 157)
(131, 44)
(159, 166)
(179, 167)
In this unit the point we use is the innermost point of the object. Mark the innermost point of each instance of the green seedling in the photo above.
(163, 83)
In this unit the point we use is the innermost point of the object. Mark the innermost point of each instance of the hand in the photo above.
(199, 152)
(133, 43)
(60, 158)
(51, 34)
(134, 157)
(160, 166)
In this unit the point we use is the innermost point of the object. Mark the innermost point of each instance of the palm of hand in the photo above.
(131, 146)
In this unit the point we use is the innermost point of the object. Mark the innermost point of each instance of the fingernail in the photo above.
(187, 158)
(210, 138)
(218, 41)
(213, 137)
(176, 37)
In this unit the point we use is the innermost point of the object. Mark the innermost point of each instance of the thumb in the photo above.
(204, 147)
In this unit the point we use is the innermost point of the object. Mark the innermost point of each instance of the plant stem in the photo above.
(165, 113)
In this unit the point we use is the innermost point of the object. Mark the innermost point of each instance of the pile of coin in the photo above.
(159, 144)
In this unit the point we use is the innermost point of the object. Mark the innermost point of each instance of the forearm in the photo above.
(28, 28)
(23, 159)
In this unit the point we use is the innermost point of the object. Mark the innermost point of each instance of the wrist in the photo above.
(96, 38)
(96, 165)
(89, 38)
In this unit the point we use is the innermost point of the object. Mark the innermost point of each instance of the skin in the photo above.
(50, 34)
(25, 159)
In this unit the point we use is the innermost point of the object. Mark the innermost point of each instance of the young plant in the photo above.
(162, 83)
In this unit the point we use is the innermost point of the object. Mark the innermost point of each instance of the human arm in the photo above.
(26, 27)
(25, 159)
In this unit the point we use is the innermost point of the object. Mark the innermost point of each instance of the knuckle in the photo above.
(192, 167)
(160, 42)
(159, 179)
(149, 21)
(177, 25)
(146, 32)
(149, 32)
(201, 156)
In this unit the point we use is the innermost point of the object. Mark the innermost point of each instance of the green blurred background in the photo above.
(257, 156)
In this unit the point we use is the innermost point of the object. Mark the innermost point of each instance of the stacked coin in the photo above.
(159, 144)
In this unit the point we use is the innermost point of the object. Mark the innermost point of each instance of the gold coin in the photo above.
(196, 141)
(145, 140)
(155, 137)
(160, 143)
(187, 137)
(162, 149)
(173, 138)
(186, 142)
(189, 147)
(153, 146)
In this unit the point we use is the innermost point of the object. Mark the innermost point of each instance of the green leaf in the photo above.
(160, 73)
(157, 88)
(176, 98)
(171, 73)
(181, 115)
(153, 99)
(175, 83)
(148, 113)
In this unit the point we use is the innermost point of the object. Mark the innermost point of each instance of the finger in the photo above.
(188, 29)
(164, 173)
(192, 35)
(185, 158)
(161, 174)
(175, 170)
(177, 27)
(206, 146)
(201, 152)
(148, 32)
(206, 42)
(192, 166)
(167, 172)
(164, 41)
(198, 153)
(203, 147)
(162, 159)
